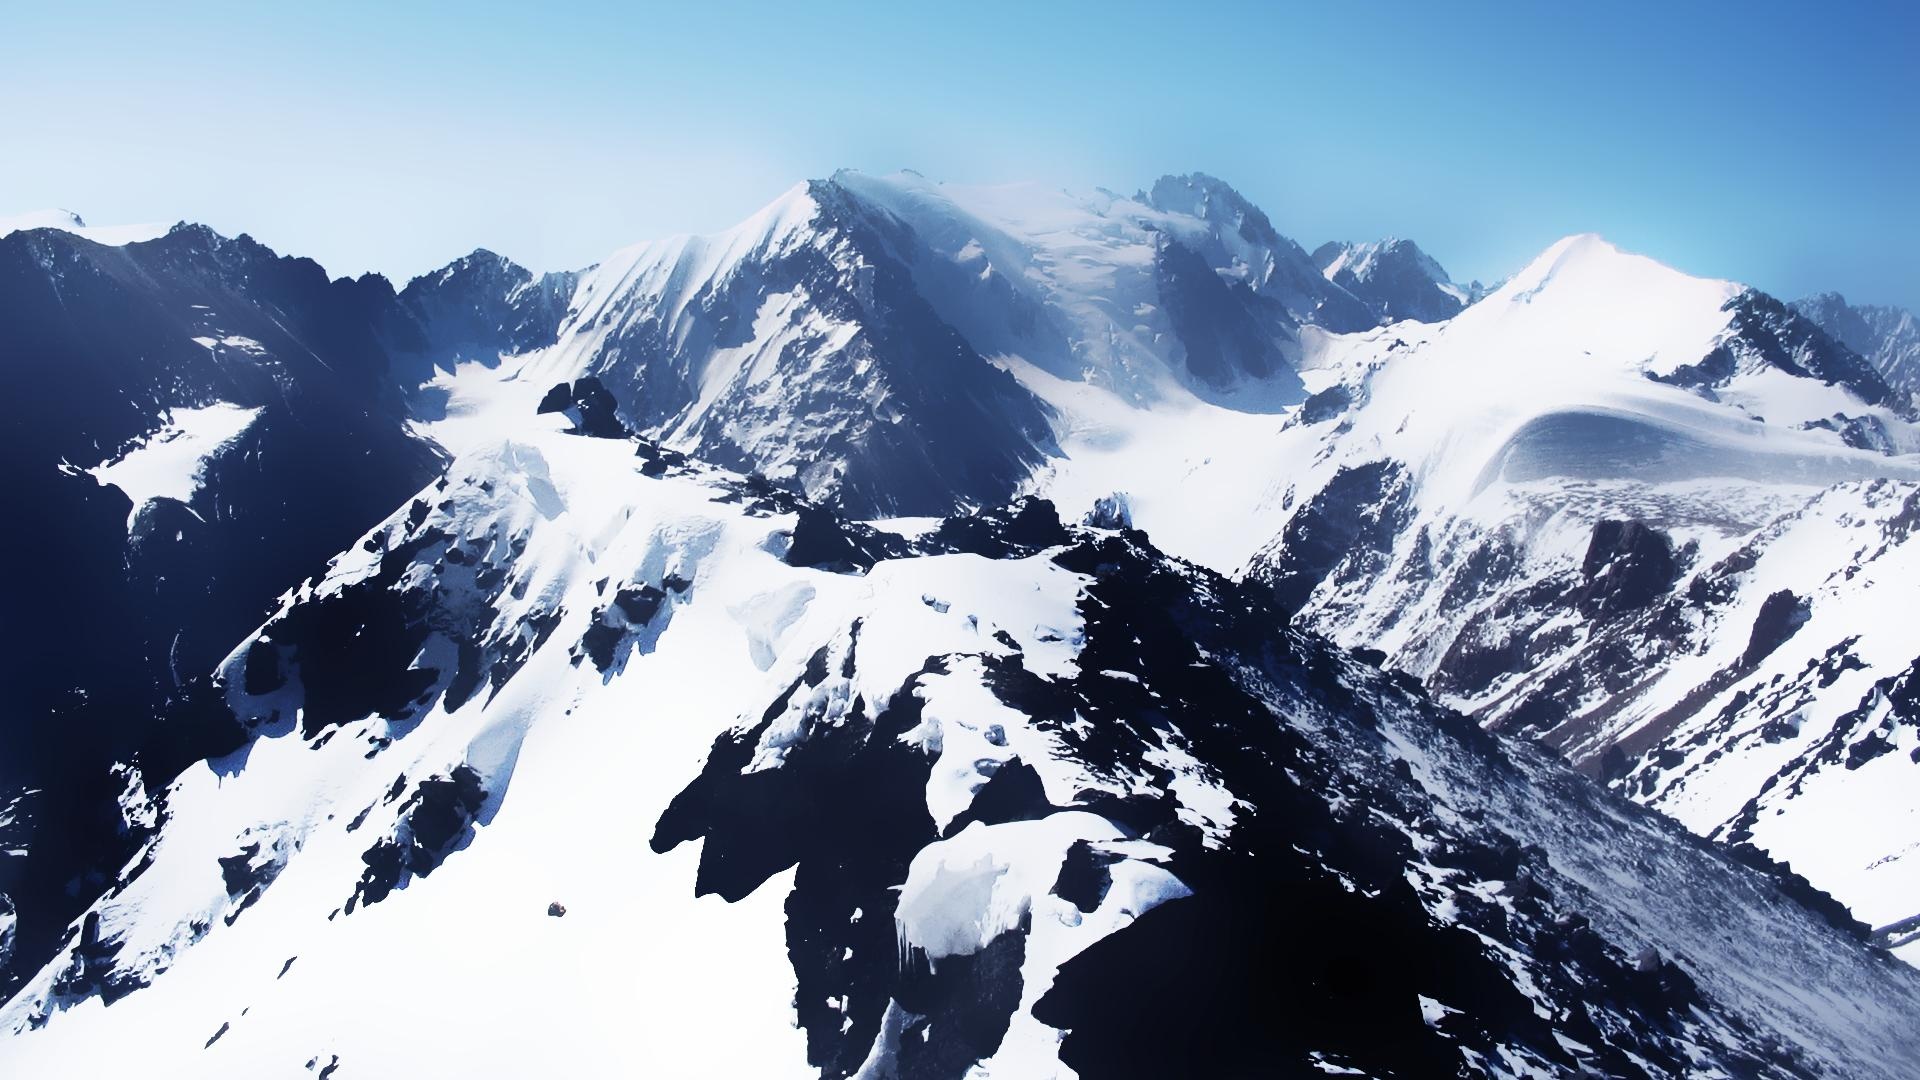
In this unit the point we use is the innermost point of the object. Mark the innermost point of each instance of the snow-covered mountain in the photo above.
(1563, 518)
(917, 794)
(854, 339)
(1888, 337)
(192, 424)
(1395, 279)
(931, 808)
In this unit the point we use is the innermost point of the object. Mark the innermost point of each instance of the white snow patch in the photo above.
(170, 462)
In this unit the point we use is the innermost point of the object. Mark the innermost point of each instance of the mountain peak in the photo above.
(1395, 278)
(1212, 200)
(1591, 264)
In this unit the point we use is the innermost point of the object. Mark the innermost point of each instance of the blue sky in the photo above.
(1773, 143)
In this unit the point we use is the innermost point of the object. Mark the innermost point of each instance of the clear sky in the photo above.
(1773, 143)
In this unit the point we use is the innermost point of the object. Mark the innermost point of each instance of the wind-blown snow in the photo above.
(68, 221)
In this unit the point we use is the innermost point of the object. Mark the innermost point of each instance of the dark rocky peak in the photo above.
(1216, 202)
(1888, 337)
(864, 397)
(1395, 278)
(1766, 332)
(482, 306)
(1835, 316)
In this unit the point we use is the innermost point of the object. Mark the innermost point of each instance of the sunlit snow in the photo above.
(169, 463)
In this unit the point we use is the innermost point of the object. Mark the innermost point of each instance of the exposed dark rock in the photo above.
(100, 351)
(1628, 566)
(1395, 279)
(824, 539)
(482, 306)
(436, 818)
(1781, 616)
(1027, 527)
(1326, 405)
(1111, 512)
(1802, 891)
(1349, 526)
(1223, 342)
(1767, 332)
(589, 405)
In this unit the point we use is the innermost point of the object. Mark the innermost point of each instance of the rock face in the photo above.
(482, 306)
(238, 415)
(1766, 334)
(1012, 796)
(1345, 532)
(1888, 337)
(797, 346)
(1628, 566)
(1395, 279)
(1242, 240)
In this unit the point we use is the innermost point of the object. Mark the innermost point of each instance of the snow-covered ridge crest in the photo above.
(1584, 329)
(68, 221)
(1081, 284)
(977, 770)
(1549, 508)
(658, 279)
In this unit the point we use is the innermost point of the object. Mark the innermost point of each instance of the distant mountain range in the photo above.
(946, 631)
(1887, 336)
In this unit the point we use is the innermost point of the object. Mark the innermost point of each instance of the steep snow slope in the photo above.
(1188, 286)
(795, 345)
(849, 340)
(1802, 730)
(951, 801)
(1549, 509)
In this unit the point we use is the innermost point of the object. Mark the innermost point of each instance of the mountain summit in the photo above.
(1396, 280)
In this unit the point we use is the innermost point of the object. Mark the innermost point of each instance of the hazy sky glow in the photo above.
(1777, 144)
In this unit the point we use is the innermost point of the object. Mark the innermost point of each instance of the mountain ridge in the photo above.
(836, 455)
